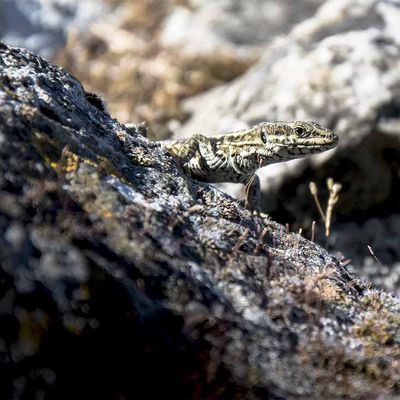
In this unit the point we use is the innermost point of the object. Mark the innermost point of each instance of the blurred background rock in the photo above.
(211, 66)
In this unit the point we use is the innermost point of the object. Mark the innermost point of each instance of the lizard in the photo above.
(236, 156)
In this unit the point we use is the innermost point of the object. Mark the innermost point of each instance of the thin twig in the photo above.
(334, 189)
(373, 255)
(314, 193)
(313, 231)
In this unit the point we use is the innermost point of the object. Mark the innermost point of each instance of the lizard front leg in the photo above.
(253, 193)
(194, 154)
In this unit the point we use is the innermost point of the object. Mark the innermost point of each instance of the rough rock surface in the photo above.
(341, 68)
(233, 26)
(122, 278)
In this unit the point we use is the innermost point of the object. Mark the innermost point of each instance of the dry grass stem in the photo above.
(313, 231)
(314, 193)
(241, 239)
(334, 189)
(373, 254)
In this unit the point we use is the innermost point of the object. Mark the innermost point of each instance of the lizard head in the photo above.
(289, 140)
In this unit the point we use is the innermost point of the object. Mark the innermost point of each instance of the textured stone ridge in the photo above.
(122, 278)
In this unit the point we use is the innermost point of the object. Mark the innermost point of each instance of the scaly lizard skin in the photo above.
(236, 156)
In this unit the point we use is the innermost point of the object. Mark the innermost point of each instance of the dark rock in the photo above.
(122, 278)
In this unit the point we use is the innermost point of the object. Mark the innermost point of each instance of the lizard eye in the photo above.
(264, 137)
(300, 131)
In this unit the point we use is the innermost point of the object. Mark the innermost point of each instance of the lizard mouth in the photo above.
(320, 143)
(330, 145)
(308, 147)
